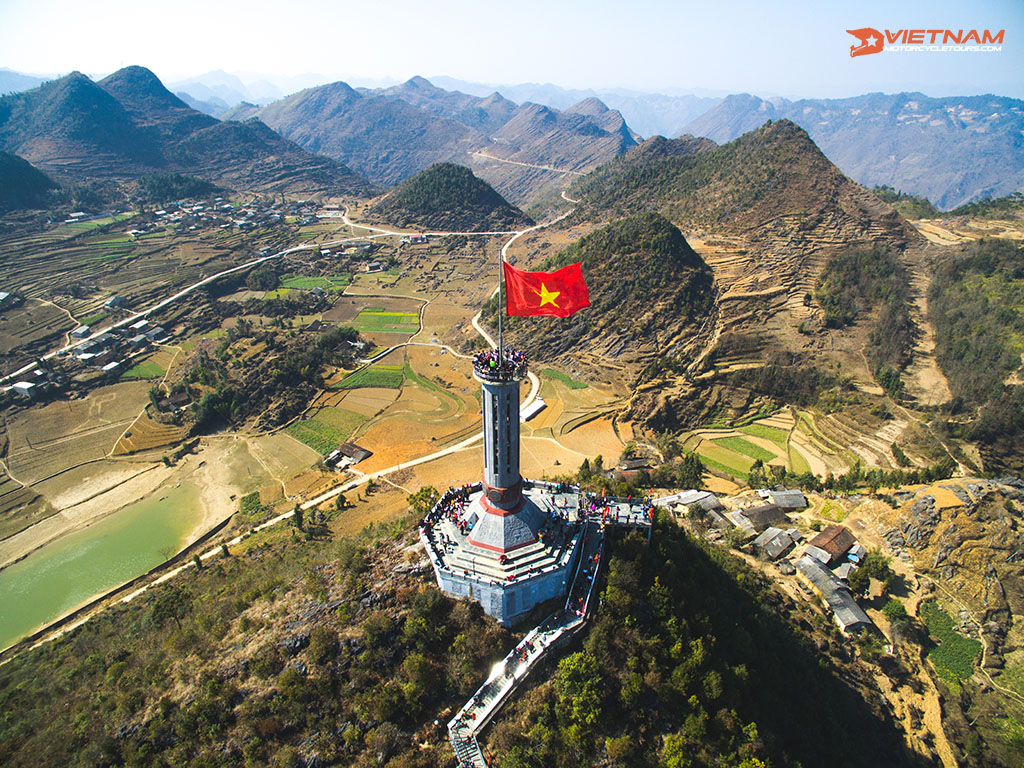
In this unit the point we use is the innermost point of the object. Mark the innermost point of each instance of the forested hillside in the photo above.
(693, 660)
(976, 303)
(646, 285)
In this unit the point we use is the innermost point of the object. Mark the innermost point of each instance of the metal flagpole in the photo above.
(501, 304)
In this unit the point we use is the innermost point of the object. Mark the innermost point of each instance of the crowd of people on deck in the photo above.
(639, 511)
(506, 364)
(451, 506)
(559, 528)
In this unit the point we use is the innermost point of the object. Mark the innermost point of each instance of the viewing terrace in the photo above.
(508, 365)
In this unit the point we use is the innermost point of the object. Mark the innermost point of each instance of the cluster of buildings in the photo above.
(109, 352)
(824, 563)
(192, 215)
(38, 383)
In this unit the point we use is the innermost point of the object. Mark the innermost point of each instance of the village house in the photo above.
(773, 543)
(784, 499)
(834, 540)
(847, 613)
(756, 519)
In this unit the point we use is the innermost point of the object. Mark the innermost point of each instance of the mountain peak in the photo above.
(591, 106)
(448, 196)
(140, 90)
(416, 81)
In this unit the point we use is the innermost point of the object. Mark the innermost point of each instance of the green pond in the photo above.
(61, 576)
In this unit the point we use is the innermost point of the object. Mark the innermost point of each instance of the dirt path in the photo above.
(924, 381)
(67, 336)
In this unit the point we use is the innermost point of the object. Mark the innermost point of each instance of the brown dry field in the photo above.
(346, 308)
(395, 357)
(950, 231)
(383, 505)
(281, 455)
(422, 404)
(367, 401)
(395, 440)
(48, 439)
(720, 486)
(465, 466)
(32, 321)
(311, 483)
(20, 507)
(593, 438)
(441, 316)
(384, 339)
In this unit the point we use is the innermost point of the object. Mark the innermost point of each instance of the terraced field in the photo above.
(780, 439)
(565, 379)
(146, 434)
(19, 507)
(746, 448)
(335, 283)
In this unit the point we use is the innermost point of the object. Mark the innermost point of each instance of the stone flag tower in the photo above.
(506, 518)
(507, 544)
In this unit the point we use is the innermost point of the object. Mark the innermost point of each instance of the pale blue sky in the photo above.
(787, 47)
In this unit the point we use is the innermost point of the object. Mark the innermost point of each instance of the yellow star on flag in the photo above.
(548, 297)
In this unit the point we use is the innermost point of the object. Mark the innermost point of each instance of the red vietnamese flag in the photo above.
(553, 294)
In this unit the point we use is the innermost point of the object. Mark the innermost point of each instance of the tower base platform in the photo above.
(460, 541)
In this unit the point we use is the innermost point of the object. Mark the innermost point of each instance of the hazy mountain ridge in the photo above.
(390, 134)
(649, 114)
(129, 125)
(952, 150)
(15, 82)
(382, 137)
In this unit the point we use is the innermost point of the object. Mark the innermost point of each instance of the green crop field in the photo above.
(326, 430)
(147, 369)
(797, 462)
(833, 511)
(93, 319)
(386, 376)
(954, 655)
(335, 283)
(568, 381)
(724, 458)
(732, 472)
(340, 419)
(369, 321)
(745, 447)
(774, 434)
